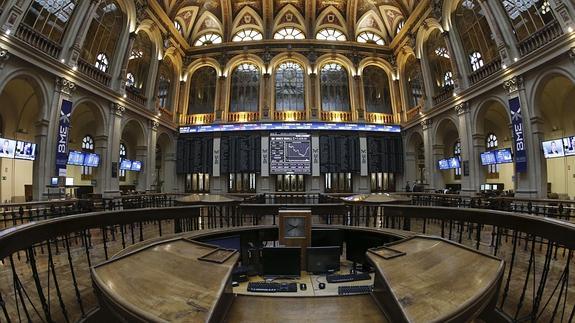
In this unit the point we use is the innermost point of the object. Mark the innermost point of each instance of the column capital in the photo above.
(462, 108)
(65, 86)
(426, 124)
(118, 109)
(514, 84)
(4, 56)
(154, 124)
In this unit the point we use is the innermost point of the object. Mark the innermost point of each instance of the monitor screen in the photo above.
(504, 156)
(454, 162)
(321, 260)
(136, 166)
(92, 160)
(126, 164)
(488, 187)
(25, 150)
(569, 146)
(483, 187)
(290, 153)
(553, 148)
(76, 158)
(357, 244)
(281, 262)
(7, 148)
(488, 158)
(54, 181)
(69, 181)
(326, 237)
(443, 164)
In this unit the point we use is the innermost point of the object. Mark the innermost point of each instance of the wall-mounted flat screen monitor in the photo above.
(92, 160)
(7, 148)
(69, 181)
(281, 262)
(488, 187)
(126, 164)
(321, 260)
(444, 164)
(454, 162)
(290, 153)
(488, 158)
(76, 158)
(504, 156)
(54, 181)
(136, 166)
(25, 150)
(569, 146)
(553, 148)
(483, 187)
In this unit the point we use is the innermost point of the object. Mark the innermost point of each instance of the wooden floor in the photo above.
(517, 303)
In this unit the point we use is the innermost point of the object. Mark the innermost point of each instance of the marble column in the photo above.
(427, 82)
(142, 176)
(502, 21)
(170, 177)
(359, 99)
(121, 76)
(265, 98)
(503, 47)
(151, 155)
(103, 172)
(72, 44)
(315, 104)
(41, 173)
(430, 164)
(477, 171)
(114, 137)
(458, 60)
(221, 102)
(468, 161)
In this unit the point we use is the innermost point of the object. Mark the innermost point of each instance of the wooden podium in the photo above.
(295, 231)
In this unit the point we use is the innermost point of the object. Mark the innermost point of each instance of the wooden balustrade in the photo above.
(135, 95)
(93, 72)
(191, 119)
(485, 71)
(290, 115)
(243, 116)
(444, 95)
(551, 31)
(33, 38)
(337, 116)
(413, 113)
(374, 117)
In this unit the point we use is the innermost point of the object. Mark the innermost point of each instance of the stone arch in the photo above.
(280, 22)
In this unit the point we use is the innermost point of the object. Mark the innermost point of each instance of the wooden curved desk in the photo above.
(418, 279)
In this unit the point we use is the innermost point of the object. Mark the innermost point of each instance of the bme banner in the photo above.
(63, 138)
(519, 145)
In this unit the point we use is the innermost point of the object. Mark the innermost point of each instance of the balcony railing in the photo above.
(134, 95)
(243, 116)
(373, 117)
(166, 114)
(289, 115)
(190, 119)
(485, 71)
(337, 116)
(540, 38)
(38, 41)
(444, 95)
(93, 72)
(413, 113)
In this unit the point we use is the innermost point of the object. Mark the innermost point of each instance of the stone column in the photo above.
(103, 172)
(121, 79)
(502, 21)
(151, 154)
(151, 84)
(315, 104)
(437, 153)
(503, 47)
(477, 171)
(531, 183)
(359, 99)
(142, 176)
(13, 14)
(564, 13)
(72, 43)
(458, 61)
(41, 167)
(170, 177)
(114, 137)
(221, 103)
(430, 168)
(468, 160)
(427, 82)
(265, 98)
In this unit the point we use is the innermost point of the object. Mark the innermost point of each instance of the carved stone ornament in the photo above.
(426, 124)
(119, 109)
(155, 124)
(4, 56)
(462, 108)
(66, 86)
(513, 85)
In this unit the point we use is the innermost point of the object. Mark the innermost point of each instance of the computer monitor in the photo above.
(321, 260)
(483, 187)
(357, 245)
(281, 262)
(229, 242)
(326, 238)
(54, 181)
(69, 181)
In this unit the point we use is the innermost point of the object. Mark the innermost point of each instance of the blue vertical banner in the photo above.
(63, 138)
(519, 145)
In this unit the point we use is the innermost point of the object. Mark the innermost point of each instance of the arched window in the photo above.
(457, 154)
(202, 91)
(330, 34)
(334, 87)
(399, 26)
(370, 38)
(178, 27)
(491, 143)
(413, 81)
(102, 62)
(140, 60)
(290, 90)
(50, 17)
(87, 146)
(438, 58)
(289, 33)
(474, 31)
(208, 39)
(476, 61)
(123, 155)
(165, 84)
(376, 90)
(527, 16)
(244, 94)
(247, 35)
(103, 34)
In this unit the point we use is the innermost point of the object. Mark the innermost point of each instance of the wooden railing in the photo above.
(38, 41)
(444, 95)
(551, 31)
(135, 95)
(336, 116)
(485, 71)
(191, 119)
(379, 118)
(93, 72)
(413, 113)
(243, 116)
(290, 115)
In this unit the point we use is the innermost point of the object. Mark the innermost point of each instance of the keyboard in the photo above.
(354, 290)
(265, 287)
(347, 278)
